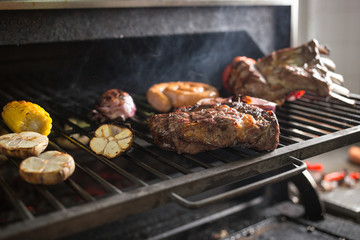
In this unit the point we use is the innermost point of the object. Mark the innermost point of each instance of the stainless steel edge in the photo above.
(299, 167)
(58, 4)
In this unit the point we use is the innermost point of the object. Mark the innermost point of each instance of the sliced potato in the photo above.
(23, 144)
(48, 168)
(111, 140)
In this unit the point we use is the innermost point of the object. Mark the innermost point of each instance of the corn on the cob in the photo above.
(22, 116)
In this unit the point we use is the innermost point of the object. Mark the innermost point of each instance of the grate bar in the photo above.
(312, 117)
(148, 168)
(108, 186)
(84, 194)
(299, 126)
(294, 134)
(44, 192)
(307, 123)
(199, 162)
(329, 107)
(144, 136)
(305, 108)
(332, 100)
(281, 145)
(19, 205)
(218, 156)
(160, 158)
(287, 139)
(236, 152)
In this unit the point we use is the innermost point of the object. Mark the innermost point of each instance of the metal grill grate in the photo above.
(103, 190)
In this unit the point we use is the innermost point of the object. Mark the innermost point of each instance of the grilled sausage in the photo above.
(164, 96)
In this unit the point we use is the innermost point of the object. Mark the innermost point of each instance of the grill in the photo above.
(103, 190)
(64, 55)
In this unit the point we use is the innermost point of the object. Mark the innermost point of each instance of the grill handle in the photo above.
(299, 167)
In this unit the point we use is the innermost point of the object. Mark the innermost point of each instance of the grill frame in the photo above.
(147, 195)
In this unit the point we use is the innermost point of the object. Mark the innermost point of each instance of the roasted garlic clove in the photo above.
(111, 140)
(23, 144)
(48, 168)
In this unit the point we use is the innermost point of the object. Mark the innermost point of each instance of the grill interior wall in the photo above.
(133, 64)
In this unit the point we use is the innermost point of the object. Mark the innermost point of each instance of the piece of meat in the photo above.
(261, 103)
(113, 104)
(285, 71)
(167, 95)
(207, 127)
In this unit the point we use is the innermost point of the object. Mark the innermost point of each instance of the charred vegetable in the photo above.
(111, 140)
(48, 168)
(114, 104)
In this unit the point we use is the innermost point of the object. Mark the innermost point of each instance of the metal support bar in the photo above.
(314, 209)
(299, 167)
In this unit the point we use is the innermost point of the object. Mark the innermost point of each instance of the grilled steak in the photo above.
(207, 127)
(284, 71)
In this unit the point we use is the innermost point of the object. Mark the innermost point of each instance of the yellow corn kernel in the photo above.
(22, 116)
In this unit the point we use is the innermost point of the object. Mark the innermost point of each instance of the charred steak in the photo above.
(207, 127)
(285, 71)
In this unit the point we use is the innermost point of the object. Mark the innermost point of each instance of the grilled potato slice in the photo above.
(48, 168)
(23, 145)
(111, 140)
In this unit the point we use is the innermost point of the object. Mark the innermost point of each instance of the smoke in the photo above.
(192, 51)
(135, 64)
